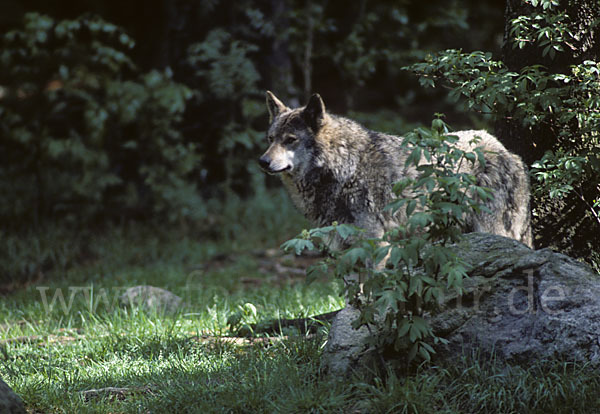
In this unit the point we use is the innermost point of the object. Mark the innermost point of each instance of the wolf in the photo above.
(336, 170)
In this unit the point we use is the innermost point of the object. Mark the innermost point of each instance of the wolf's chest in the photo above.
(324, 198)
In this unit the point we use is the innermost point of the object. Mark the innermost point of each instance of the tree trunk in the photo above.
(280, 76)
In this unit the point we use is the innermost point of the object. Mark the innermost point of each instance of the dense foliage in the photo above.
(556, 108)
(83, 132)
(569, 102)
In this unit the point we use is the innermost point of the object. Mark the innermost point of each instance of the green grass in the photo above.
(186, 363)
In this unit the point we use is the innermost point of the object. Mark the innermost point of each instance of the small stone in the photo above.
(151, 298)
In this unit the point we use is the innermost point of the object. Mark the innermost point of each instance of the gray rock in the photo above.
(523, 304)
(347, 349)
(520, 304)
(10, 403)
(151, 298)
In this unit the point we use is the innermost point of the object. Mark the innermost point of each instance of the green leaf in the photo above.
(354, 255)
(298, 246)
(395, 205)
(420, 219)
(424, 352)
(395, 255)
(345, 231)
(401, 185)
(387, 301)
(414, 157)
(410, 207)
(403, 328)
(415, 285)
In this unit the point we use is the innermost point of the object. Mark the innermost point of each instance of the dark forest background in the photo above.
(215, 59)
(154, 111)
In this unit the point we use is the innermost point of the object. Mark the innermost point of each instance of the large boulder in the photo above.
(520, 304)
(10, 403)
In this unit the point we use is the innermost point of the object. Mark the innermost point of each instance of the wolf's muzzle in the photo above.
(265, 165)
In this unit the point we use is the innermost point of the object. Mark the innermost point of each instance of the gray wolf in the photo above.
(337, 170)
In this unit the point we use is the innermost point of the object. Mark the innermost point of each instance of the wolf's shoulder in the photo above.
(356, 129)
(479, 138)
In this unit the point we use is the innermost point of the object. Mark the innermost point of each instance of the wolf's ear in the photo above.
(274, 105)
(314, 112)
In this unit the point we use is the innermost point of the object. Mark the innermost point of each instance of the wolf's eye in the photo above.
(270, 139)
(290, 139)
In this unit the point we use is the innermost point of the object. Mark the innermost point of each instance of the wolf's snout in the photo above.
(265, 162)
(270, 166)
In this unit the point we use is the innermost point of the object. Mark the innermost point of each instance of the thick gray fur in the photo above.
(337, 170)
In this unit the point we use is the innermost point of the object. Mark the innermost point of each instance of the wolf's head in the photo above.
(291, 135)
